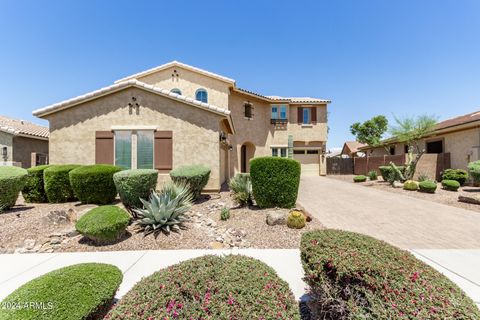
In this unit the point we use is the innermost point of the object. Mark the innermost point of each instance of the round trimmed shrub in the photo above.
(34, 189)
(360, 178)
(455, 174)
(275, 181)
(354, 276)
(410, 185)
(427, 186)
(474, 170)
(57, 183)
(103, 224)
(451, 185)
(12, 180)
(94, 184)
(195, 176)
(79, 291)
(210, 288)
(133, 185)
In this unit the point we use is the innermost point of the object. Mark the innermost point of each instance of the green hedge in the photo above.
(136, 184)
(388, 174)
(455, 174)
(80, 291)
(12, 180)
(57, 183)
(451, 185)
(210, 288)
(427, 186)
(275, 181)
(34, 189)
(196, 177)
(360, 178)
(103, 224)
(354, 276)
(474, 170)
(94, 184)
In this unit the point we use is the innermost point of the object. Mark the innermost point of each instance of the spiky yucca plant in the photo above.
(241, 187)
(165, 211)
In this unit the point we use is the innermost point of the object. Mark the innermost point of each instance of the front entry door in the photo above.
(243, 156)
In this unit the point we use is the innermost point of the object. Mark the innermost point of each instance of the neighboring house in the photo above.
(176, 114)
(351, 149)
(22, 143)
(459, 136)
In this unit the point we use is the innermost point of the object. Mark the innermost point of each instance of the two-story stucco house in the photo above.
(176, 114)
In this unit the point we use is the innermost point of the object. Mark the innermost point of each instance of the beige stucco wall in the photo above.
(195, 131)
(6, 141)
(23, 148)
(189, 82)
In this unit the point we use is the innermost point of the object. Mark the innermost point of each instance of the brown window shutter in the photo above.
(104, 147)
(314, 114)
(163, 157)
(300, 115)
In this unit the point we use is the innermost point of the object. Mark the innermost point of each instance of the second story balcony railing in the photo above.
(279, 121)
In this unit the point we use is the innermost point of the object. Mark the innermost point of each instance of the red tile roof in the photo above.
(23, 127)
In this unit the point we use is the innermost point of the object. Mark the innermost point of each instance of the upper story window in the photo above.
(177, 91)
(201, 95)
(248, 110)
(307, 115)
(279, 112)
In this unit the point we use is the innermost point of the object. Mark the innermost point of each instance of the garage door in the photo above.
(309, 162)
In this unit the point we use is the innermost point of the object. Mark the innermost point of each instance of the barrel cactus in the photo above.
(296, 220)
(410, 185)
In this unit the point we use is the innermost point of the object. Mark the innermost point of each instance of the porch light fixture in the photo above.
(4, 152)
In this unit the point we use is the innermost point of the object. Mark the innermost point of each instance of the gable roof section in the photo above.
(181, 65)
(23, 128)
(353, 146)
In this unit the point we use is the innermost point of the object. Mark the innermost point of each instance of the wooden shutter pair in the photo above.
(313, 112)
(163, 149)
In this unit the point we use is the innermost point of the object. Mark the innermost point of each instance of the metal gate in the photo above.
(339, 166)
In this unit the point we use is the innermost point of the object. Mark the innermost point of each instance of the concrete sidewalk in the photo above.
(461, 266)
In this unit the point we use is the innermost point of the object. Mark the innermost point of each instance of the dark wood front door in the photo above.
(243, 155)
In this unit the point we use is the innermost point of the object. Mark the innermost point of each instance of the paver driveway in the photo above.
(407, 222)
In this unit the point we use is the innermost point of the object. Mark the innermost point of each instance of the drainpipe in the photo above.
(290, 146)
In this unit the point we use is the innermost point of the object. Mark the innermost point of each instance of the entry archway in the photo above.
(247, 152)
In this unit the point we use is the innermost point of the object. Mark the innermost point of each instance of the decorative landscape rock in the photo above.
(397, 184)
(473, 199)
(276, 218)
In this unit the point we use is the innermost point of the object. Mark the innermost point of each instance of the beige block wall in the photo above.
(195, 131)
(461, 147)
(6, 140)
(23, 148)
(189, 82)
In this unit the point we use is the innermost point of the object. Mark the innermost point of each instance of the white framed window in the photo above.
(201, 95)
(279, 152)
(279, 112)
(177, 91)
(134, 149)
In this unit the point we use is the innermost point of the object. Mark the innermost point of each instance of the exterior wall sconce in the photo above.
(5, 153)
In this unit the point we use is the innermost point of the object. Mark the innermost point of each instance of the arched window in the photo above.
(201, 95)
(177, 91)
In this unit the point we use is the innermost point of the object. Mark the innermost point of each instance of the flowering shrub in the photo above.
(353, 276)
(210, 287)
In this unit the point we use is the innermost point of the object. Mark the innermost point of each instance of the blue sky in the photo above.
(370, 57)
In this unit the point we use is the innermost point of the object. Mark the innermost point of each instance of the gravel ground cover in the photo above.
(30, 228)
(440, 196)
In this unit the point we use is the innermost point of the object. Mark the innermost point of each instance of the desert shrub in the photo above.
(94, 184)
(451, 185)
(372, 175)
(57, 183)
(103, 224)
(427, 186)
(210, 288)
(133, 185)
(423, 177)
(275, 181)
(34, 189)
(12, 180)
(75, 292)
(474, 170)
(388, 174)
(410, 185)
(165, 211)
(354, 276)
(296, 220)
(241, 186)
(360, 178)
(196, 177)
(455, 174)
(225, 214)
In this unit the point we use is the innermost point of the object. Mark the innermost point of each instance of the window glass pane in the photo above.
(283, 112)
(298, 151)
(144, 149)
(201, 95)
(283, 152)
(312, 151)
(274, 112)
(177, 91)
(123, 149)
(306, 115)
(274, 152)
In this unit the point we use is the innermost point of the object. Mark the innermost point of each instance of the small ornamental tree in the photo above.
(371, 131)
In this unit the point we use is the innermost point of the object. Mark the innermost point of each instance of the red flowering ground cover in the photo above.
(210, 287)
(353, 276)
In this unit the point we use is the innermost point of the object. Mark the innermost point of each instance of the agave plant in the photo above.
(241, 187)
(165, 211)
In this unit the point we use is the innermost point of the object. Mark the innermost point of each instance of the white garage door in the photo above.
(309, 162)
